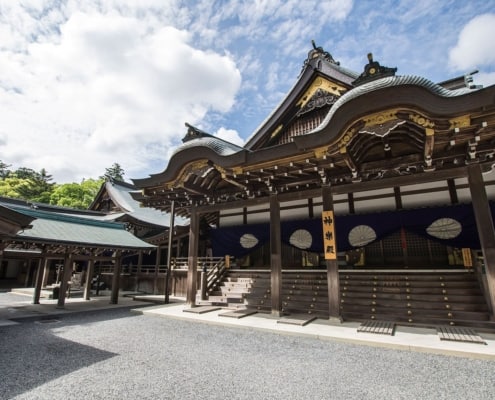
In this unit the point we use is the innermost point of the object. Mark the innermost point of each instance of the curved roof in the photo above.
(388, 82)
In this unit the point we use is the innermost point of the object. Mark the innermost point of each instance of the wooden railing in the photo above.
(214, 266)
(215, 274)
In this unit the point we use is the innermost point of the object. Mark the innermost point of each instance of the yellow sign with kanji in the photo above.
(466, 257)
(329, 247)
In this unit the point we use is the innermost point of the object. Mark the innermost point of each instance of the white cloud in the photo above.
(230, 135)
(475, 46)
(109, 89)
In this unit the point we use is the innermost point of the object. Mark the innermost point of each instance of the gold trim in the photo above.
(460, 122)
(321, 83)
(276, 131)
(421, 120)
(381, 117)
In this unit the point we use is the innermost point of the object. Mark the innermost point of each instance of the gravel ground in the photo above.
(115, 354)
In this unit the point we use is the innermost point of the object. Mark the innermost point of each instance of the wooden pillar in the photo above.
(89, 277)
(39, 280)
(332, 264)
(157, 266)
(168, 274)
(66, 275)
(275, 256)
(138, 272)
(46, 273)
(114, 296)
(192, 258)
(28, 272)
(484, 224)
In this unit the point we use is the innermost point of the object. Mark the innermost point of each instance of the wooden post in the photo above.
(168, 273)
(66, 275)
(89, 276)
(332, 264)
(192, 258)
(46, 273)
(275, 256)
(28, 272)
(114, 296)
(138, 272)
(39, 280)
(484, 224)
(157, 266)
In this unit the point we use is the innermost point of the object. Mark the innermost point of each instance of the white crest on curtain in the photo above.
(248, 241)
(445, 228)
(361, 235)
(301, 239)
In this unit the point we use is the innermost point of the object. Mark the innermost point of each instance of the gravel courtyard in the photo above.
(115, 354)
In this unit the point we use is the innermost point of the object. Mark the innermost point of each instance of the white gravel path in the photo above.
(114, 354)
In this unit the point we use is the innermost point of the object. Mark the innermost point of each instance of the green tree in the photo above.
(4, 170)
(36, 186)
(76, 195)
(9, 186)
(115, 172)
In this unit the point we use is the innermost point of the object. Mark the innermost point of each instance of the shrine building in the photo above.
(362, 196)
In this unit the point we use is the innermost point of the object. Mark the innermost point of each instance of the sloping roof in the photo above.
(68, 229)
(12, 221)
(121, 195)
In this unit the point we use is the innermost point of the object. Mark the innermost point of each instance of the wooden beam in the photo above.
(64, 283)
(275, 256)
(114, 295)
(38, 283)
(168, 274)
(192, 258)
(89, 277)
(484, 223)
(384, 183)
(332, 265)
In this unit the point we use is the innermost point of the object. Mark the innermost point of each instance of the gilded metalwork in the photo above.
(324, 84)
(460, 122)
(421, 121)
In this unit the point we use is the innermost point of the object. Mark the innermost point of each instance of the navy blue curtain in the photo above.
(228, 240)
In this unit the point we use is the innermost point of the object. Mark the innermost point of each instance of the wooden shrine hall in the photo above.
(361, 196)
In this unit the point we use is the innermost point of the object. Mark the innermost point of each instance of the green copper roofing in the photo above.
(68, 229)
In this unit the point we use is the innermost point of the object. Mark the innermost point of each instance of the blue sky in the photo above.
(85, 84)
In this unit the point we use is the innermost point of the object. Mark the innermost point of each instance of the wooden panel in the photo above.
(387, 203)
(231, 221)
(426, 199)
(374, 193)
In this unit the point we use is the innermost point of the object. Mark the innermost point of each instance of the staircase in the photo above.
(242, 289)
(407, 297)
(415, 298)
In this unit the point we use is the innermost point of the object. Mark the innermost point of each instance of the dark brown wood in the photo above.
(275, 256)
(64, 284)
(89, 276)
(168, 274)
(484, 223)
(454, 199)
(397, 181)
(38, 281)
(157, 266)
(398, 198)
(332, 265)
(192, 262)
(114, 296)
(46, 272)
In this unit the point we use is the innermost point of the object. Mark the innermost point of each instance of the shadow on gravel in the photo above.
(32, 355)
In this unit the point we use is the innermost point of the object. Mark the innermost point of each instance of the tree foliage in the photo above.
(30, 185)
(115, 172)
(76, 195)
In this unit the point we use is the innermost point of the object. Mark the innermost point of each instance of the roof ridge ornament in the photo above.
(194, 133)
(373, 70)
(319, 52)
